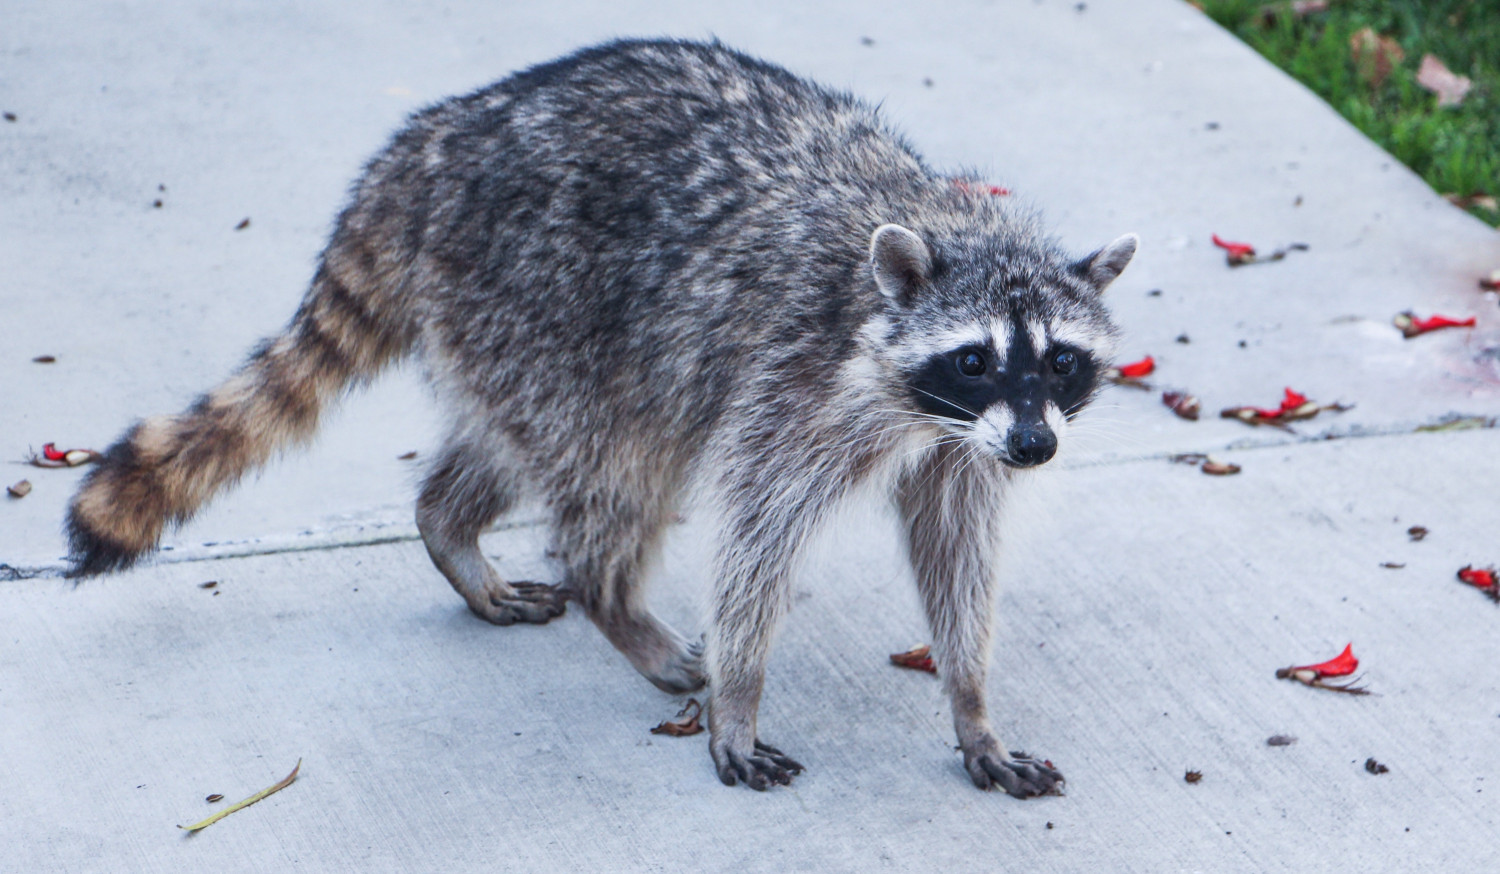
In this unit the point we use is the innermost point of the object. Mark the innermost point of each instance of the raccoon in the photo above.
(655, 266)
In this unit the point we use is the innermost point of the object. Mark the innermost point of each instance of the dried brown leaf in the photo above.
(918, 658)
(1215, 467)
(1374, 55)
(1375, 767)
(686, 722)
(1446, 84)
(1183, 404)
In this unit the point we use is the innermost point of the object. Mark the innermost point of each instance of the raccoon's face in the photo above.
(1003, 358)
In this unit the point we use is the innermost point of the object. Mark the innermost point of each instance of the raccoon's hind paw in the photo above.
(765, 767)
(1019, 775)
(535, 603)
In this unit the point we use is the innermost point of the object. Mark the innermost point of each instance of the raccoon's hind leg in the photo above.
(607, 539)
(464, 492)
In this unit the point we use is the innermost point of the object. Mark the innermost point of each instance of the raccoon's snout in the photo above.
(1030, 445)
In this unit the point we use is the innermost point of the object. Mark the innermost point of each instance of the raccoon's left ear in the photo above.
(1105, 265)
(902, 262)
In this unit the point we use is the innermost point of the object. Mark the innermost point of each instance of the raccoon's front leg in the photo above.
(949, 506)
(763, 533)
(462, 495)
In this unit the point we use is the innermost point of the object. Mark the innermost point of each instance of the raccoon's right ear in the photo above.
(902, 262)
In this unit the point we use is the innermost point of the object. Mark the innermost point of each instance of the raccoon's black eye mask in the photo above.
(961, 384)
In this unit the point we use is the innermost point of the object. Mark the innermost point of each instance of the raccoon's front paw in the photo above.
(1018, 774)
(536, 603)
(761, 768)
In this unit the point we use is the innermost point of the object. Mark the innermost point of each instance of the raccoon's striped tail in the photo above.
(164, 469)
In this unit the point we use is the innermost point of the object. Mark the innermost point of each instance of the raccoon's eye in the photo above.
(1065, 363)
(970, 363)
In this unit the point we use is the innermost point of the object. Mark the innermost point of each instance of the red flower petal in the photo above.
(1433, 322)
(1341, 665)
(52, 453)
(917, 658)
(1236, 250)
(1138, 369)
(1292, 400)
(1478, 577)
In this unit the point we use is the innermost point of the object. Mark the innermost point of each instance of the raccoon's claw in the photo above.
(1019, 775)
(535, 603)
(767, 766)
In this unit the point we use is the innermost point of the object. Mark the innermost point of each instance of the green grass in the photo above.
(1456, 149)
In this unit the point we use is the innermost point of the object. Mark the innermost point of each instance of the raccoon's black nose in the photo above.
(1031, 445)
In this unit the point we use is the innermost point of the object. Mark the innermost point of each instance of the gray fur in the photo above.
(649, 266)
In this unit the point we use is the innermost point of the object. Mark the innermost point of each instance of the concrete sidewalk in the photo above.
(1145, 608)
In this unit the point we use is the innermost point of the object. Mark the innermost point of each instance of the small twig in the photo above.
(241, 805)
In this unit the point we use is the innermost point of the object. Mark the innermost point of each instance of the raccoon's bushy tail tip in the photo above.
(161, 471)
(100, 538)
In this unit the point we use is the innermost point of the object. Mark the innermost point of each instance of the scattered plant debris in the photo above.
(20, 489)
(1458, 423)
(44, 359)
(1435, 76)
(1375, 767)
(918, 658)
(1340, 665)
(1483, 579)
(1207, 463)
(1193, 776)
(53, 457)
(1184, 339)
(407, 456)
(1280, 740)
(1374, 55)
(1183, 404)
(686, 722)
(967, 186)
(1411, 326)
(1393, 565)
(1491, 282)
(1473, 199)
(1133, 374)
(214, 798)
(208, 585)
(1416, 532)
(1240, 254)
(244, 223)
(241, 805)
(1294, 407)
(10, 116)
(1298, 9)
